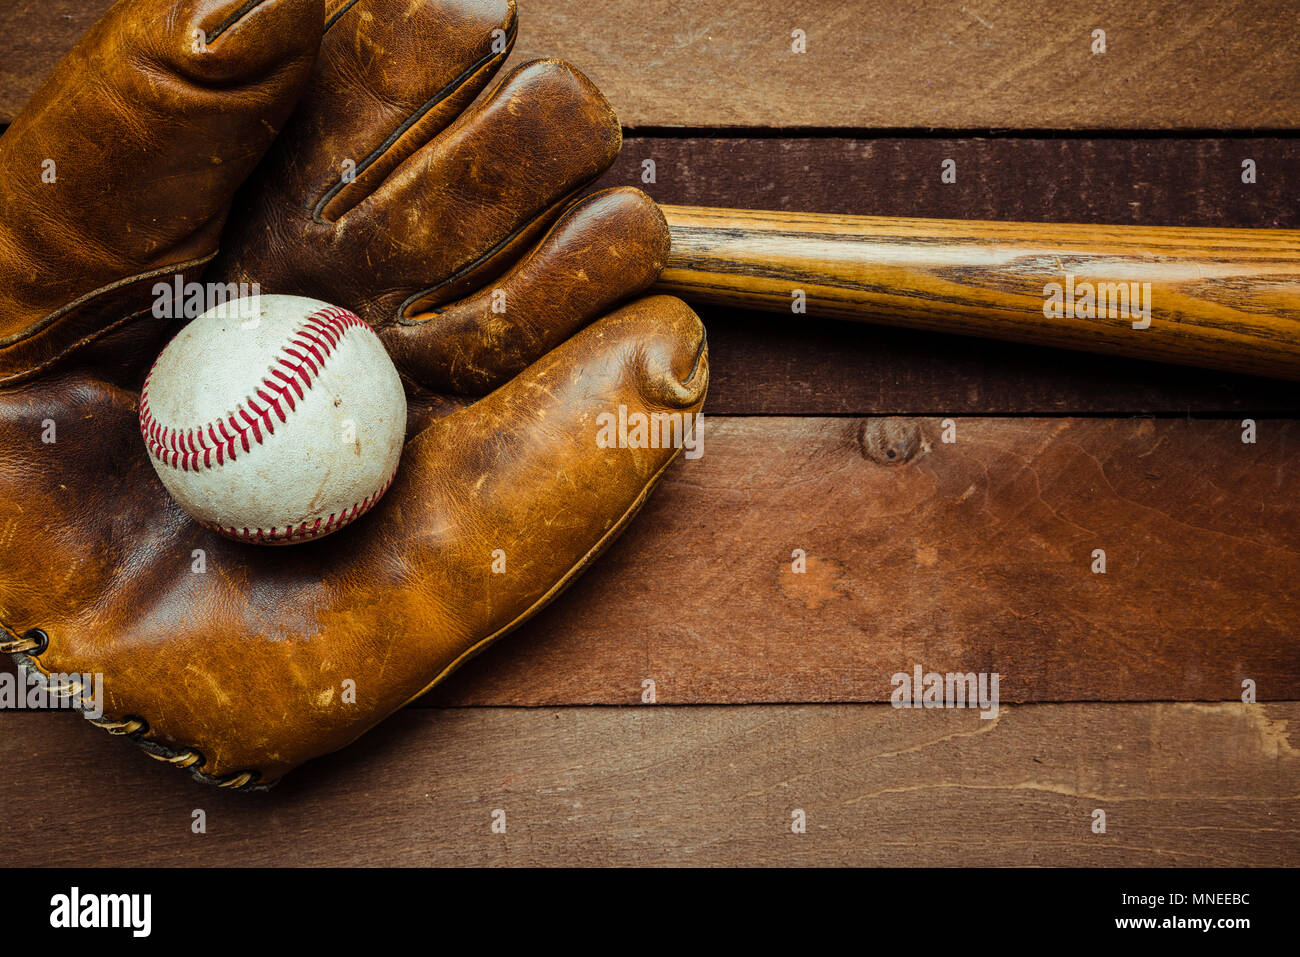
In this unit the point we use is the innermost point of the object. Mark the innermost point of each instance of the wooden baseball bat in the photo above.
(1216, 298)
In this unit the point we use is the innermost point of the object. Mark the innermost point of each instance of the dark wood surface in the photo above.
(973, 556)
(1180, 784)
(1138, 181)
(1016, 64)
(768, 364)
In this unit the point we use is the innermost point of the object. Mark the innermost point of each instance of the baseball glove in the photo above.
(340, 151)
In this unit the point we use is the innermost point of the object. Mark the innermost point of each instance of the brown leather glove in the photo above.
(389, 193)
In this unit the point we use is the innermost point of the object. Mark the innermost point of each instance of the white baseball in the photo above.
(274, 419)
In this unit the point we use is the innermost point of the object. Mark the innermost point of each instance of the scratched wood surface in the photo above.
(971, 556)
(1001, 64)
(1180, 784)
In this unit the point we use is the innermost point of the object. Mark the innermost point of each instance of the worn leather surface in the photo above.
(169, 160)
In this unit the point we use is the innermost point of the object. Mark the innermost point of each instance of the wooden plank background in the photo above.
(971, 556)
(1180, 784)
(1142, 180)
(870, 64)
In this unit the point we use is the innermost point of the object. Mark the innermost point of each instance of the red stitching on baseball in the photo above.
(284, 535)
(323, 330)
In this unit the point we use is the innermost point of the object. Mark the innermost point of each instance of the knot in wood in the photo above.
(891, 441)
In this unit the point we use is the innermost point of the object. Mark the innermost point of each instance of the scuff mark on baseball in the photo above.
(274, 419)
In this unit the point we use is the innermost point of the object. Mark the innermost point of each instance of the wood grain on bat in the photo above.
(1218, 298)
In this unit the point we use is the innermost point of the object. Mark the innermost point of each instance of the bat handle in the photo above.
(1216, 298)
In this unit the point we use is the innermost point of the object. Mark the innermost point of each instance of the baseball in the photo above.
(274, 419)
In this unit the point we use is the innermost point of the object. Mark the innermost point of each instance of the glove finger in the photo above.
(604, 249)
(391, 75)
(460, 211)
(126, 160)
(450, 217)
(521, 479)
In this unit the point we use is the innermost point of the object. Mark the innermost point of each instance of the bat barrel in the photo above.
(1216, 298)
